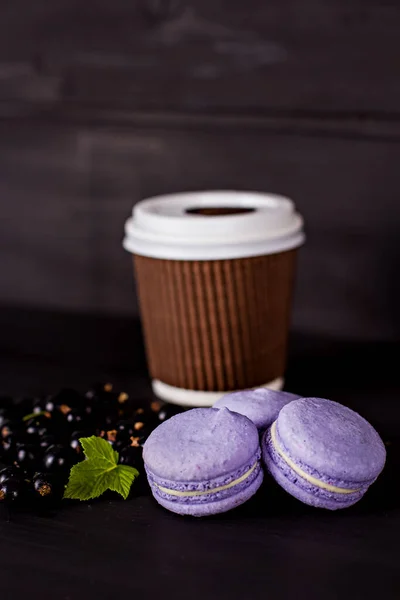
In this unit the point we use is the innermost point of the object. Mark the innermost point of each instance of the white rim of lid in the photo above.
(161, 227)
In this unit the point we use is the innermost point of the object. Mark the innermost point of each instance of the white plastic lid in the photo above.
(213, 225)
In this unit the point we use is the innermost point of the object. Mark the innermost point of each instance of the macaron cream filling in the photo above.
(299, 471)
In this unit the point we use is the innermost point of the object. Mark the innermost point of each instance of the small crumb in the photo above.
(138, 425)
(156, 405)
(65, 409)
(123, 397)
(108, 387)
(134, 441)
(139, 411)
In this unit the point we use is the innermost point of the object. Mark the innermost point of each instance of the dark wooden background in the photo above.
(106, 102)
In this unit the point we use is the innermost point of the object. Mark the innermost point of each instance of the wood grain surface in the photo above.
(104, 104)
(66, 192)
(197, 55)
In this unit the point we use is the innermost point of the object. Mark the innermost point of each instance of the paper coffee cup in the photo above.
(215, 275)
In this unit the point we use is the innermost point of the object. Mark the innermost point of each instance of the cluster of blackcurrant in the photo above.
(39, 438)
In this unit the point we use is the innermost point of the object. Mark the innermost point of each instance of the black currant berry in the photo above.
(8, 449)
(40, 406)
(12, 491)
(58, 459)
(103, 414)
(75, 418)
(47, 440)
(120, 445)
(74, 442)
(46, 404)
(125, 429)
(12, 472)
(108, 412)
(39, 425)
(26, 456)
(47, 489)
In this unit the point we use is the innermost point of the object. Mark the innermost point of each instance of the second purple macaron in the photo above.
(260, 405)
(323, 453)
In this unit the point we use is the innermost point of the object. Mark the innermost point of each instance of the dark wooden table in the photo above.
(272, 547)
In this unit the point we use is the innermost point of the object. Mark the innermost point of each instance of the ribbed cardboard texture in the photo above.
(216, 325)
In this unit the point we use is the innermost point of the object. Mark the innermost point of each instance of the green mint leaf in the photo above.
(96, 447)
(81, 483)
(122, 479)
(99, 472)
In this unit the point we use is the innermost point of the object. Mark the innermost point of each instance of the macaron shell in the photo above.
(215, 507)
(331, 439)
(261, 405)
(200, 444)
(310, 497)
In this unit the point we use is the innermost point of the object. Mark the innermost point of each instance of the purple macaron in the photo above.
(261, 405)
(203, 461)
(323, 453)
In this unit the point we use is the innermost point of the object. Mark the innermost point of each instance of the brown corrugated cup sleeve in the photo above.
(216, 325)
